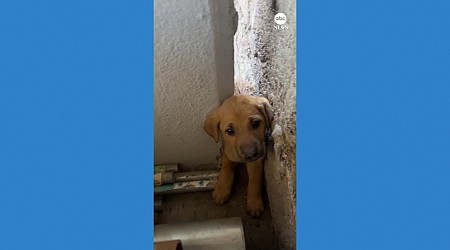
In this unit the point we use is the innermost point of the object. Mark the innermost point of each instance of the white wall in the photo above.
(193, 49)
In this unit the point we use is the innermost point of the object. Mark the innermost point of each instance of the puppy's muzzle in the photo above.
(251, 151)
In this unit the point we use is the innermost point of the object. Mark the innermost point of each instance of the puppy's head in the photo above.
(241, 121)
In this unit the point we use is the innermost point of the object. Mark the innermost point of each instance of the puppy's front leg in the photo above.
(255, 205)
(223, 187)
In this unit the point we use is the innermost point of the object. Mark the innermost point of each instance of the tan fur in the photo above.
(246, 144)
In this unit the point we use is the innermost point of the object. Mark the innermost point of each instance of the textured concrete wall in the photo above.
(193, 74)
(265, 64)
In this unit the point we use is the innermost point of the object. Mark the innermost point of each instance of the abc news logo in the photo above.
(280, 19)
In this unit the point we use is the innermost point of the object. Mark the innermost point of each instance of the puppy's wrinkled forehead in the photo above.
(239, 109)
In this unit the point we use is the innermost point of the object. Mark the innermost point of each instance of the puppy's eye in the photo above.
(229, 131)
(255, 124)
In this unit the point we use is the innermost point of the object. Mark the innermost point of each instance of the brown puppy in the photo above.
(241, 121)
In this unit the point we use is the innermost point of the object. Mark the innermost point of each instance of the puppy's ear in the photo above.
(266, 110)
(211, 125)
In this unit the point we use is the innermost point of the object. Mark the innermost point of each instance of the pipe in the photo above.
(170, 177)
(195, 176)
(163, 178)
(219, 234)
(168, 245)
(186, 187)
(167, 168)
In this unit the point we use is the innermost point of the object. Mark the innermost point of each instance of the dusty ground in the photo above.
(190, 207)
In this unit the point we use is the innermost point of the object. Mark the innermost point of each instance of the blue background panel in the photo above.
(76, 144)
(374, 125)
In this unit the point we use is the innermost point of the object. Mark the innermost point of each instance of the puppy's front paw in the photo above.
(255, 206)
(220, 195)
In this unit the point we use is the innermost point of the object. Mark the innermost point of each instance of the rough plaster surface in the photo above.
(193, 73)
(265, 66)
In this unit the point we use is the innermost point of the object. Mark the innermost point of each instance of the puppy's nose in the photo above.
(249, 151)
